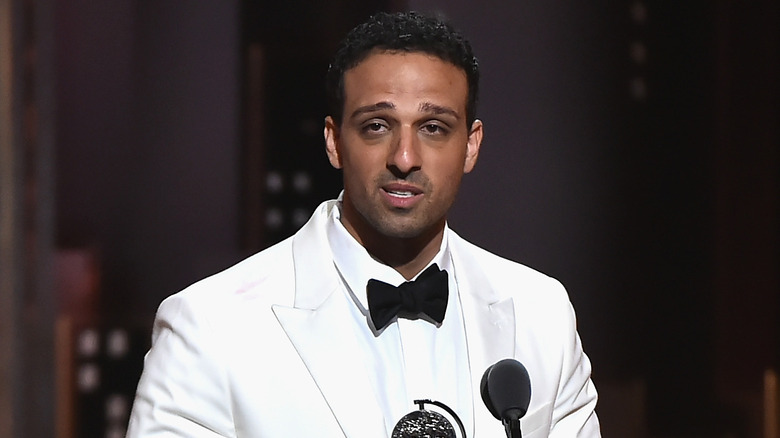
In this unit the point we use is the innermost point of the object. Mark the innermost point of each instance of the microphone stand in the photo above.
(512, 423)
(512, 428)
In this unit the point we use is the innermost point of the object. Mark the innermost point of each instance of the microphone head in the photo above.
(506, 389)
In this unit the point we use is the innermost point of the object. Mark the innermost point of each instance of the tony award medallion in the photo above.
(425, 423)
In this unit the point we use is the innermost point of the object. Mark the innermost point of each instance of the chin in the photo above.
(402, 231)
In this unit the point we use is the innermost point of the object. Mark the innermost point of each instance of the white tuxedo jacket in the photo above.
(265, 349)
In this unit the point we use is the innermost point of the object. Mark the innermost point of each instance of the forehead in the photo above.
(395, 74)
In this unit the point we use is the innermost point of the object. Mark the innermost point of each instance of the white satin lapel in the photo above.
(319, 327)
(490, 327)
(326, 343)
(490, 337)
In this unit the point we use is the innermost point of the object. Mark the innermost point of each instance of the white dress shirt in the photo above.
(433, 359)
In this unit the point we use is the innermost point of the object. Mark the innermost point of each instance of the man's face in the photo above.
(403, 144)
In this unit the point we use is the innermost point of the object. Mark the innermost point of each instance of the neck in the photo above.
(407, 255)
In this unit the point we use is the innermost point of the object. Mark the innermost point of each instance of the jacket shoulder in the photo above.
(507, 277)
(261, 280)
(266, 275)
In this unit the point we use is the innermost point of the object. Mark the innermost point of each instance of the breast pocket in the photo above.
(536, 424)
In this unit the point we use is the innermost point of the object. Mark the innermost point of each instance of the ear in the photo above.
(331, 142)
(472, 147)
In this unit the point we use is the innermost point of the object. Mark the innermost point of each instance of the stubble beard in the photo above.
(377, 222)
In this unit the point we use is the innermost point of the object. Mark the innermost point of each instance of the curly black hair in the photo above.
(403, 32)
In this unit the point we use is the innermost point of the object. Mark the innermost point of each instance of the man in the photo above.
(292, 342)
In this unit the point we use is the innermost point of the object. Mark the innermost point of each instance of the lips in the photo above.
(401, 195)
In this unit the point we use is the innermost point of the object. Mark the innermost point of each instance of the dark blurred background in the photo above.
(632, 151)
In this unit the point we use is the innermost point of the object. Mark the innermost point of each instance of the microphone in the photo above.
(506, 391)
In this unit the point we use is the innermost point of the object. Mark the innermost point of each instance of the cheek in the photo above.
(364, 162)
(357, 172)
(453, 183)
(450, 167)
(450, 175)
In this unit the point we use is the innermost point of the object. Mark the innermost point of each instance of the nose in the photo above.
(404, 156)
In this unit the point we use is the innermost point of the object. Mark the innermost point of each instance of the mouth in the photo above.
(402, 195)
(402, 190)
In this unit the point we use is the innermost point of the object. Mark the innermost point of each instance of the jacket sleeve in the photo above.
(574, 412)
(183, 391)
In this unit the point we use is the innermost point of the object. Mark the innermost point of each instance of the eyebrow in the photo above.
(428, 107)
(425, 107)
(372, 108)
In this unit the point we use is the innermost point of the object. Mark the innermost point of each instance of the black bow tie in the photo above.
(426, 295)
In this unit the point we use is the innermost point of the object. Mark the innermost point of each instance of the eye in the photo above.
(434, 129)
(374, 127)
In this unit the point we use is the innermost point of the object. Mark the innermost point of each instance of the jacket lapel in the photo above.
(489, 322)
(321, 332)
